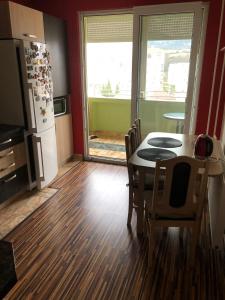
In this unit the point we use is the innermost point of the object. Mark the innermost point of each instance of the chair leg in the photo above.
(130, 206)
(195, 238)
(151, 244)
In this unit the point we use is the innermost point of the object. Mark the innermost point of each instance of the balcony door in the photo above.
(107, 49)
(166, 66)
(146, 63)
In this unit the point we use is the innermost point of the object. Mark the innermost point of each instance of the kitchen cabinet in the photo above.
(21, 22)
(64, 138)
(13, 162)
(56, 41)
(13, 170)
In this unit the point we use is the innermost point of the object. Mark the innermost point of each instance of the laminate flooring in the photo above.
(77, 246)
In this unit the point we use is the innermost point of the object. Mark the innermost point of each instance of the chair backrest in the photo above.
(184, 186)
(130, 143)
(137, 127)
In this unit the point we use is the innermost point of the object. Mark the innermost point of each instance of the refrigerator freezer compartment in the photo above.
(45, 157)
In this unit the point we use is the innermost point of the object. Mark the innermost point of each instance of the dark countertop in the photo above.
(10, 132)
(7, 268)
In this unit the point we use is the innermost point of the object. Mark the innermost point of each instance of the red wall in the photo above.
(68, 10)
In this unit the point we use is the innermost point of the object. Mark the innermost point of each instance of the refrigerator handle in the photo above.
(31, 106)
(31, 183)
(42, 178)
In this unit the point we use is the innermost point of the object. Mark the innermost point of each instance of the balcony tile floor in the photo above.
(108, 147)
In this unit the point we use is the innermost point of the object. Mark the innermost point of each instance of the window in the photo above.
(167, 69)
(166, 52)
(109, 56)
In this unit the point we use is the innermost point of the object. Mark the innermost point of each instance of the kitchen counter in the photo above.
(12, 132)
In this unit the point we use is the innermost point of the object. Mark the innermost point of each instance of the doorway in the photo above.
(108, 44)
(152, 55)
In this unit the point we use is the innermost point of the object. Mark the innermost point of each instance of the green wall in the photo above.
(114, 115)
(107, 114)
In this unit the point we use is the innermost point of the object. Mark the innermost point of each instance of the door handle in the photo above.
(31, 106)
(42, 178)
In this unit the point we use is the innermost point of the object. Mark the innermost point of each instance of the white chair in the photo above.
(133, 175)
(180, 202)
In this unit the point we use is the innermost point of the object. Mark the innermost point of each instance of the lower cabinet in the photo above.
(13, 170)
(64, 138)
(13, 183)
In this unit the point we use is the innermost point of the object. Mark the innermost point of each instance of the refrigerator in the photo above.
(26, 99)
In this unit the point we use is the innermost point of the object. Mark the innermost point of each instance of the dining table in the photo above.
(164, 145)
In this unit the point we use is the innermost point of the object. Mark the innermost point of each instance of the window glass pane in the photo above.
(166, 41)
(109, 69)
(167, 69)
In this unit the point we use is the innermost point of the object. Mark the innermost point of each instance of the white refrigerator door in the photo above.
(38, 86)
(45, 153)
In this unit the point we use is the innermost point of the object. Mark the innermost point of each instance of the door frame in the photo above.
(83, 60)
(138, 11)
(197, 50)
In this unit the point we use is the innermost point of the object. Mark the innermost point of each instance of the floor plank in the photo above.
(77, 246)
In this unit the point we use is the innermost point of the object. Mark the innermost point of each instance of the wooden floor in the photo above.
(77, 246)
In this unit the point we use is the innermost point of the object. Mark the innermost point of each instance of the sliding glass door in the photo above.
(142, 63)
(165, 65)
(108, 67)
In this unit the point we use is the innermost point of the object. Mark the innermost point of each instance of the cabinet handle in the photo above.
(33, 36)
(10, 166)
(10, 179)
(7, 154)
(6, 142)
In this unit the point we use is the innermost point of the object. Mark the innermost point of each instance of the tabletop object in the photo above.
(177, 116)
(164, 142)
(155, 154)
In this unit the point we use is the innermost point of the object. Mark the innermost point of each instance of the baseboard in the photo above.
(108, 134)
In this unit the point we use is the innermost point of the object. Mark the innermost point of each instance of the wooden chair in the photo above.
(133, 175)
(180, 202)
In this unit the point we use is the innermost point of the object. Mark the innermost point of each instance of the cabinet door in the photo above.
(56, 41)
(20, 22)
(64, 138)
(12, 158)
(13, 183)
(27, 23)
(20, 155)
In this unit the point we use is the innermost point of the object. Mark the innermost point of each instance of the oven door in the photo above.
(59, 106)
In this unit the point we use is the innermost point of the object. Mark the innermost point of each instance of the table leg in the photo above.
(179, 127)
(140, 220)
(140, 203)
